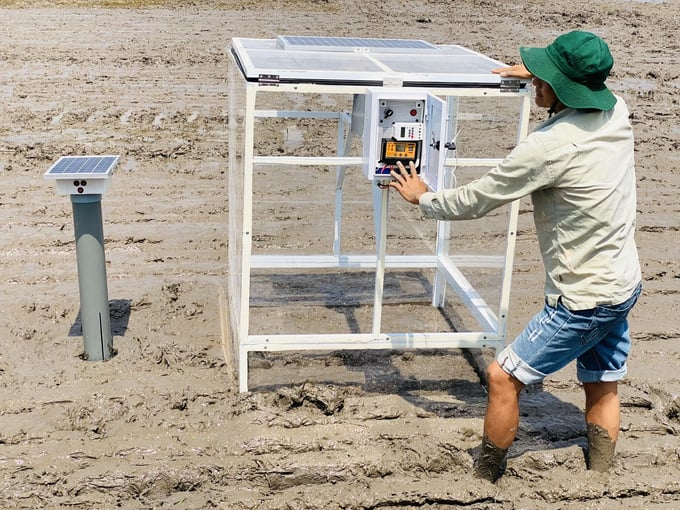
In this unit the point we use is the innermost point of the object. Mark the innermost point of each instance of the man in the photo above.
(578, 168)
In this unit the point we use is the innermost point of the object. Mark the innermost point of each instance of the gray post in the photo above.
(94, 295)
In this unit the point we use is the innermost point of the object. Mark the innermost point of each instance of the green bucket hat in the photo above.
(576, 66)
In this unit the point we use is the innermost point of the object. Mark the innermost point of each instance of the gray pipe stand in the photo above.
(94, 296)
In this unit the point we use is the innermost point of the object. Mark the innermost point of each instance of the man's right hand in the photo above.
(407, 182)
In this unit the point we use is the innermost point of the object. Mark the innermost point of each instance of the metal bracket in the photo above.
(268, 79)
(510, 85)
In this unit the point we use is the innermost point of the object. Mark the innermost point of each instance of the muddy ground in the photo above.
(162, 424)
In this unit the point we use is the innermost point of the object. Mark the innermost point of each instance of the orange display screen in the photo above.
(400, 150)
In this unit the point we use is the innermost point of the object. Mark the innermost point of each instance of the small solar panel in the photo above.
(92, 167)
(352, 44)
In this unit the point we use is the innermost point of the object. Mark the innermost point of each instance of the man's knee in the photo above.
(500, 381)
(600, 393)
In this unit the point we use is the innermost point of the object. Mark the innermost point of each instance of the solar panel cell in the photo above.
(79, 166)
(300, 42)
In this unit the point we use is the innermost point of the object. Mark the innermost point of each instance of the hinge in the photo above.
(268, 79)
(510, 85)
(392, 81)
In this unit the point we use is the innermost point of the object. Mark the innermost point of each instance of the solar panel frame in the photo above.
(78, 167)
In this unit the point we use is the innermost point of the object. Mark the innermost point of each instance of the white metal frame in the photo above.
(447, 266)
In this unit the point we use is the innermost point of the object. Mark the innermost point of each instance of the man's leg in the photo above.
(502, 413)
(602, 423)
(500, 423)
(605, 360)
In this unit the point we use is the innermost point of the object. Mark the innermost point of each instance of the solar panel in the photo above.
(92, 167)
(355, 60)
(352, 44)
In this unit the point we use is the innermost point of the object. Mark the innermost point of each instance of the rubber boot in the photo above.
(600, 448)
(491, 462)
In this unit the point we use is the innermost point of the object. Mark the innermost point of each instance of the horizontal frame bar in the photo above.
(369, 261)
(331, 342)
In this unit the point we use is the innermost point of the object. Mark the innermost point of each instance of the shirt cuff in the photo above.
(425, 203)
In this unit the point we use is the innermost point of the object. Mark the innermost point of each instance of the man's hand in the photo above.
(516, 71)
(408, 183)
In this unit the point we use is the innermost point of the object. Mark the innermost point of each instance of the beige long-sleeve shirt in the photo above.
(579, 169)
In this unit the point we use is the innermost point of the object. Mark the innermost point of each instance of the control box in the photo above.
(402, 125)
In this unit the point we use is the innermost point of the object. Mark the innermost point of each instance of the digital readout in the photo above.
(400, 150)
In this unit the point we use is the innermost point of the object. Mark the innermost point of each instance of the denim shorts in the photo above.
(598, 339)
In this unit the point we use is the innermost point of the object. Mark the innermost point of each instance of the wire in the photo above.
(381, 171)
